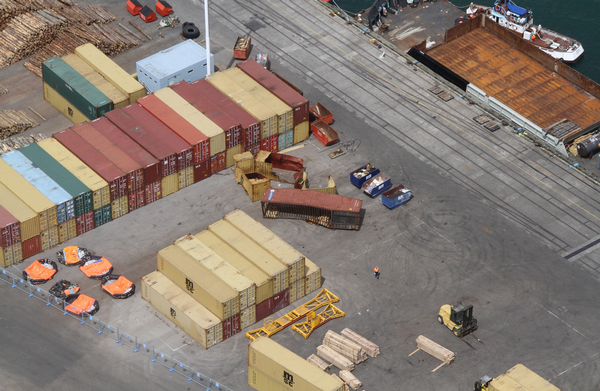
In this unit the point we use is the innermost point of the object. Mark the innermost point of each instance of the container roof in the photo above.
(312, 198)
(169, 61)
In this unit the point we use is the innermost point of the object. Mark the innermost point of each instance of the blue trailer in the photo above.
(395, 197)
(363, 174)
(377, 185)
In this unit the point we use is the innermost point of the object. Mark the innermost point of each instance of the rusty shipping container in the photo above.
(253, 252)
(231, 326)
(255, 184)
(115, 178)
(281, 300)
(133, 171)
(85, 222)
(171, 119)
(189, 275)
(277, 87)
(29, 222)
(329, 210)
(10, 228)
(264, 309)
(31, 246)
(217, 162)
(153, 192)
(179, 307)
(202, 170)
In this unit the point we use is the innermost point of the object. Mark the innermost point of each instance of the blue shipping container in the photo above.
(377, 185)
(395, 197)
(363, 174)
(65, 208)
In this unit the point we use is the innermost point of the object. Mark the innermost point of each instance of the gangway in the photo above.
(314, 320)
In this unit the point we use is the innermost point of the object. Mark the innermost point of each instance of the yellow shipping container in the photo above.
(285, 114)
(220, 268)
(267, 239)
(11, 255)
(297, 289)
(28, 219)
(231, 152)
(520, 378)
(301, 132)
(248, 317)
(170, 184)
(288, 369)
(195, 117)
(313, 276)
(120, 207)
(244, 161)
(255, 184)
(189, 315)
(45, 209)
(263, 282)
(189, 275)
(111, 72)
(262, 382)
(67, 230)
(255, 254)
(98, 186)
(186, 177)
(256, 108)
(117, 97)
(63, 105)
(49, 238)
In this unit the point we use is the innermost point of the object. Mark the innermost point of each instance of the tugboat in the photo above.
(520, 20)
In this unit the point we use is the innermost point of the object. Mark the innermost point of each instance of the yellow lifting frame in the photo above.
(273, 326)
(314, 320)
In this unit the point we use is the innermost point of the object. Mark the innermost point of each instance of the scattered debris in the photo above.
(337, 153)
(171, 21)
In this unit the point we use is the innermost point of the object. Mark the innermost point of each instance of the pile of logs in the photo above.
(12, 8)
(350, 379)
(315, 360)
(93, 13)
(369, 347)
(344, 346)
(16, 142)
(335, 358)
(346, 387)
(13, 122)
(3, 90)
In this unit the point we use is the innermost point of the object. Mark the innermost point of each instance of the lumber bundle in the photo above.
(315, 360)
(346, 387)
(369, 347)
(13, 122)
(328, 354)
(345, 347)
(350, 379)
(437, 351)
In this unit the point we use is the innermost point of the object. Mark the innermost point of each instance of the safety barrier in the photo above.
(120, 337)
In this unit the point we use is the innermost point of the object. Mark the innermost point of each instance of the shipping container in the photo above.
(255, 184)
(111, 72)
(297, 289)
(119, 207)
(301, 132)
(189, 275)
(28, 224)
(285, 115)
(277, 87)
(11, 255)
(65, 208)
(220, 268)
(264, 309)
(117, 97)
(201, 123)
(116, 179)
(313, 276)
(253, 252)
(151, 166)
(99, 187)
(200, 92)
(518, 378)
(63, 105)
(285, 140)
(10, 228)
(31, 246)
(186, 177)
(169, 184)
(136, 199)
(153, 192)
(217, 162)
(329, 210)
(102, 215)
(270, 144)
(231, 152)
(82, 94)
(248, 316)
(202, 170)
(216, 113)
(245, 162)
(250, 103)
(231, 326)
(281, 300)
(262, 281)
(177, 124)
(81, 194)
(289, 369)
(49, 238)
(32, 197)
(85, 222)
(254, 149)
(67, 230)
(120, 158)
(262, 382)
(175, 304)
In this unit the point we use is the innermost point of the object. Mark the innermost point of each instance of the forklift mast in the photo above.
(462, 315)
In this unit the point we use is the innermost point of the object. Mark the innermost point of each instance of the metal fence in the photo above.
(119, 336)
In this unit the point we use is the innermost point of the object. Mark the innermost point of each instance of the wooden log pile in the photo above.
(369, 347)
(350, 379)
(328, 354)
(16, 142)
(346, 387)
(12, 8)
(437, 351)
(315, 360)
(93, 13)
(13, 122)
(345, 347)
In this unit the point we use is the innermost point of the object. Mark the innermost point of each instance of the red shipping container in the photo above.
(137, 199)
(254, 149)
(10, 228)
(264, 309)
(153, 192)
(231, 326)
(281, 300)
(135, 173)
(95, 160)
(216, 113)
(201, 170)
(270, 144)
(32, 246)
(85, 222)
(176, 123)
(285, 93)
(151, 166)
(217, 162)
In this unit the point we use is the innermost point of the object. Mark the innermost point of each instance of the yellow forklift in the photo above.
(458, 319)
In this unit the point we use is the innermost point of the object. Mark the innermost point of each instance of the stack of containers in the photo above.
(151, 190)
(10, 238)
(287, 94)
(29, 221)
(285, 116)
(65, 227)
(99, 188)
(201, 91)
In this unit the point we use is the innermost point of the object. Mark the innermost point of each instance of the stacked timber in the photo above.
(12, 8)
(346, 387)
(315, 360)
(13, 122)
(437, 351)
(93, 13)
(335, 358)
(344, 346)
(350, 379)
(369, 347)
(16, 142)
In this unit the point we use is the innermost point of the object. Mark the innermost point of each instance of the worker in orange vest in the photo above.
(376, 272)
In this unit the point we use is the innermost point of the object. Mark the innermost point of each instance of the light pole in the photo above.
(208, 65)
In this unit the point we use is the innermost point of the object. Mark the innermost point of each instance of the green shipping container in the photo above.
(82, 195)
(75, 88)
(102, 215)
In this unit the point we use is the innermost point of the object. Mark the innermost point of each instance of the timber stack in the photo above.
(369, 347)
(335, 358)
(93, 13)
(346, 386)
(350, 379)
(13, 8)
(345, 347)
(315, 360)
(13, 122)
